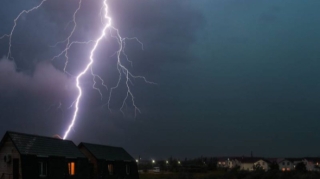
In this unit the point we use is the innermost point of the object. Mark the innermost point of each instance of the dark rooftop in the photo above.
(44, 146)
(103, 152)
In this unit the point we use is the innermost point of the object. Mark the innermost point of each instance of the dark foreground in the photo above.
(234, 175)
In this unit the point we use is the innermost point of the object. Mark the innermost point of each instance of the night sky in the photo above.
(233, 76)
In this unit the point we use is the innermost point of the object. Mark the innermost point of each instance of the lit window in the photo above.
(288, 169)
(110, 169)
(71, 166)
(128, 169)
(283, 169)
(42, 169)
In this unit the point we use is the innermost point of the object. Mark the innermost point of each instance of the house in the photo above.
(234, 162)
(264, 164)
(25, 156)
(222, 162)
(110, 162)
(247, 163)
(312, 163)
(288, 164)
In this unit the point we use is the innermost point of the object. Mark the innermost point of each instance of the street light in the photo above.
(153, 161)
(167, 162)
(137, 160)
(179, 162)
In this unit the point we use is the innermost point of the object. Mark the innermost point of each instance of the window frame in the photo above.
(128, 169)
(43, 169)
(71, 168)
(110, 169)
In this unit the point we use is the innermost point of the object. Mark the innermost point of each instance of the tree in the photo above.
(257, 167)
(301, 167)
(274, 166)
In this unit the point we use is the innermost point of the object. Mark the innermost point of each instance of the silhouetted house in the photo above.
(110, 162)
(25, 156)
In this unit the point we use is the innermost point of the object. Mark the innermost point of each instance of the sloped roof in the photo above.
(28, 144)
(103, 152)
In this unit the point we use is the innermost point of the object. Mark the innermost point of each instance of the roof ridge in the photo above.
(35, 135)
(100, 145)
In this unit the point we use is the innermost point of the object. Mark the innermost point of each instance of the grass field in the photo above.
(168, 175)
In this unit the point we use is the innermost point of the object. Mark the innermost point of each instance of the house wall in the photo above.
(263, 164)
(234, 163)
(286, 165)
(310, 165)
(7, 168)
(91, 160)
(246, 166)
(222, 163)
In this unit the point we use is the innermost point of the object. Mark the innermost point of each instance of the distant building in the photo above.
(288, 164)
(110, 162)
(223, 162)
(25, 156)
(312, 163)
(264, 164)
(247, 163)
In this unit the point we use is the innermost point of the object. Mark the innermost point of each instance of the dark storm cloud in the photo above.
(47, 83)
(36, 94)
(234, 76)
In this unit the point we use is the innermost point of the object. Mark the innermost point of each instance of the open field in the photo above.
(233, 175)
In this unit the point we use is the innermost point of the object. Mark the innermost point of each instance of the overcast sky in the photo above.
(233, 76)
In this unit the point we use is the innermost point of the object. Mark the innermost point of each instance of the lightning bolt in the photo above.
(123, 72)
(108, 24)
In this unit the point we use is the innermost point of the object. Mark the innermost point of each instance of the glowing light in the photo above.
(153, 161)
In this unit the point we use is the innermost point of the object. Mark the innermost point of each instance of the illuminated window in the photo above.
(71, 166)
(110, 169)
(288, 169)
(42, 169)
(283, 169)
(128, 169)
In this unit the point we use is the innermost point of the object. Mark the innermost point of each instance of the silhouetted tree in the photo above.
(274, 166)
(257, 167)
(301, 167)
